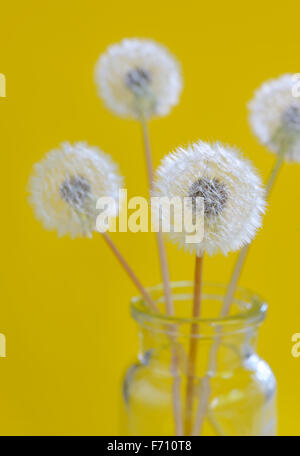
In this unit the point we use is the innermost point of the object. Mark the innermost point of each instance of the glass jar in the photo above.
(199, 376)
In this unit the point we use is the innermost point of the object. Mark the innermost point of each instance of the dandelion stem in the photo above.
(177, 408)
(192, 357)
(160, 241)
(275, 171)
(237, 270)
(177, 411)
(243, 253)
(129, 271)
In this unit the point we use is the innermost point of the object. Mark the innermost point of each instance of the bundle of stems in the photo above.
(169, 308)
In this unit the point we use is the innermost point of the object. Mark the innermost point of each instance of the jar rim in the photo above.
(254, 314)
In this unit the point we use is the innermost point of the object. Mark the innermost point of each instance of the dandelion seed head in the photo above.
(230, 187)
(274, 115)
(212, 191)
(291, 118)
(138, 80)
(75, 190)
(138, 77)
(66, 184)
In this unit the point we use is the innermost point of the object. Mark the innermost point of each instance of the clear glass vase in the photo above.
(199, 376)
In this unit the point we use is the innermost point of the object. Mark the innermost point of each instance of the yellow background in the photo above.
(64, 303)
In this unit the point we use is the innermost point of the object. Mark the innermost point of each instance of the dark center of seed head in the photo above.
(138, 80)
(74, 190)
(213, 192)
(291, 118)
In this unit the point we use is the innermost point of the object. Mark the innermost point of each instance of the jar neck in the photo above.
(230, 351)
(222, 344)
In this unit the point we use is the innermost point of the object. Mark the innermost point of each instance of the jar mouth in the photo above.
(247, 309)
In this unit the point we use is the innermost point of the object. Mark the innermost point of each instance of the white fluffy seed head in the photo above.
(231, 190)
(138, 77)
(66, 184)
(275, 116)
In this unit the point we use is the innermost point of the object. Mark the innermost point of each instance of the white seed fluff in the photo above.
(66, 184)
(275, 116)
(138, 77)
(231, 189)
